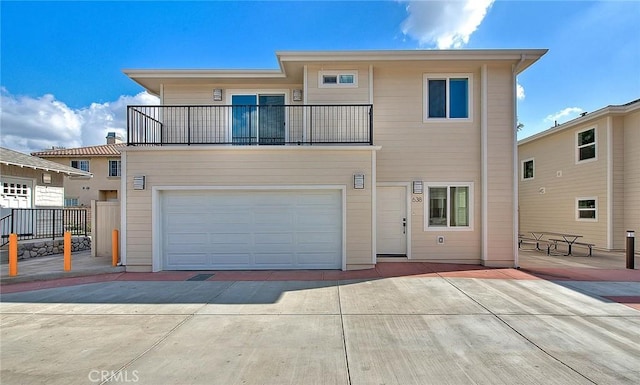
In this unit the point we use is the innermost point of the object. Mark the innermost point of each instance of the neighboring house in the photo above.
(30, 182)
(583, 177)
(102, 161)
(336, 160)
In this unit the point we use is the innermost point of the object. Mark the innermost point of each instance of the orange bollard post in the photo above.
(67, 251)
(13, 255)
(114, 247)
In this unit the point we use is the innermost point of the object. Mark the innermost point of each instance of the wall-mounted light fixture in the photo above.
(217, 94)
(417, 187)
(297, 95)
(358, 181)
(46, 178)
(138, 182)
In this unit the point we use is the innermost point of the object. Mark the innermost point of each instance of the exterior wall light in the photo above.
(138, 182)
(358, 181)
(217, 94)
(417, 187)
(297, 95)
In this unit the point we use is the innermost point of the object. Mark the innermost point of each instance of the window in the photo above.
(80, 164)
(71, 202)
(587, 209)
(527, 169)
(338, 79)
(114, 168)
(449, 206)
(586, 148)
(448, 96)
(15, 189)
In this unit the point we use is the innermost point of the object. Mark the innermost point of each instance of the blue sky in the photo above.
(61, 62)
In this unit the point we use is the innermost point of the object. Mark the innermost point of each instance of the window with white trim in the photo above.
(448, 96)
(337, 79)
(587, 209)
(528, 170)
(71, 202)
(114, 168)
(82, 164)
(586, 145)
(449, 206)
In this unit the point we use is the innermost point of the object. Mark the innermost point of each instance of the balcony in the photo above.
(250, 125)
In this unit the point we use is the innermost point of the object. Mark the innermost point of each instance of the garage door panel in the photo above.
(193, 259)
(315, 258)
(231, 259)
(221, 229)
(272, 259)
(273, 238)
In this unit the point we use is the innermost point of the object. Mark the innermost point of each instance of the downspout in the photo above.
(516, 205)
(484, 123)
(609, 183)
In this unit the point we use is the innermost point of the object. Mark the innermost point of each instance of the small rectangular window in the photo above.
(586, 145)
(527, 169)
(447, 97)
(587, 209)
(71, 202)
(114, 168)
(80, 164)
(449, 207)
(338, 78)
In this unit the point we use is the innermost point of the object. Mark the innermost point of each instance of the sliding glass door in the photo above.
(258, 119)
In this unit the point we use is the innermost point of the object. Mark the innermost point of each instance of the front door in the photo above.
(258, 119)
(391, 220)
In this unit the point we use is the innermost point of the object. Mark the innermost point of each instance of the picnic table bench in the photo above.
(587, 245)
(569, 239)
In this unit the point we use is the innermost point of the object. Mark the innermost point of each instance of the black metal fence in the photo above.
(250, 124)
(43, 223)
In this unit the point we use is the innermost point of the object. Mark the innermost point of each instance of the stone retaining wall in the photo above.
(36, 249)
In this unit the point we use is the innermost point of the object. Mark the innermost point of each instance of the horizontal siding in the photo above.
(632, 175)
(338, 95)
(211, 167)
(555, 210)
(202, 94)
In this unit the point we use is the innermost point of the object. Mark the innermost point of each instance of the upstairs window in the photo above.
(527, 169)
(80, 164)
(114, 168)
(338, 79)
(586, 148)
(448, 96)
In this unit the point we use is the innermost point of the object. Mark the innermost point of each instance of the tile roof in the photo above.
(103, 150)
(15, 158)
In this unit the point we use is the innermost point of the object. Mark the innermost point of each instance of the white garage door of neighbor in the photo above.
(247, 230)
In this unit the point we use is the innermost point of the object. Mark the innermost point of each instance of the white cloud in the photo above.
(520, 91)
(33, 124)
(448, 24)
(564, 115)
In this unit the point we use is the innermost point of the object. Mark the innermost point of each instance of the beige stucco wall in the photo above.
(87, 189)
(255, 166)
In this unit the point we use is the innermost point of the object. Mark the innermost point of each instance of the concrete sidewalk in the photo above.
(430, 328)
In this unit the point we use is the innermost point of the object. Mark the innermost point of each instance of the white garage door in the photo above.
(242, 230)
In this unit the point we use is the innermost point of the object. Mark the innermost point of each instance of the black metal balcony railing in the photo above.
(250, 124)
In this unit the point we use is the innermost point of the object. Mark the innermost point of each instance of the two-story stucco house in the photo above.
(335, 160)
(103, 161)
(583, 177)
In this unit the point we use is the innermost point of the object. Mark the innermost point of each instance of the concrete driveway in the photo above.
(423, 329)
